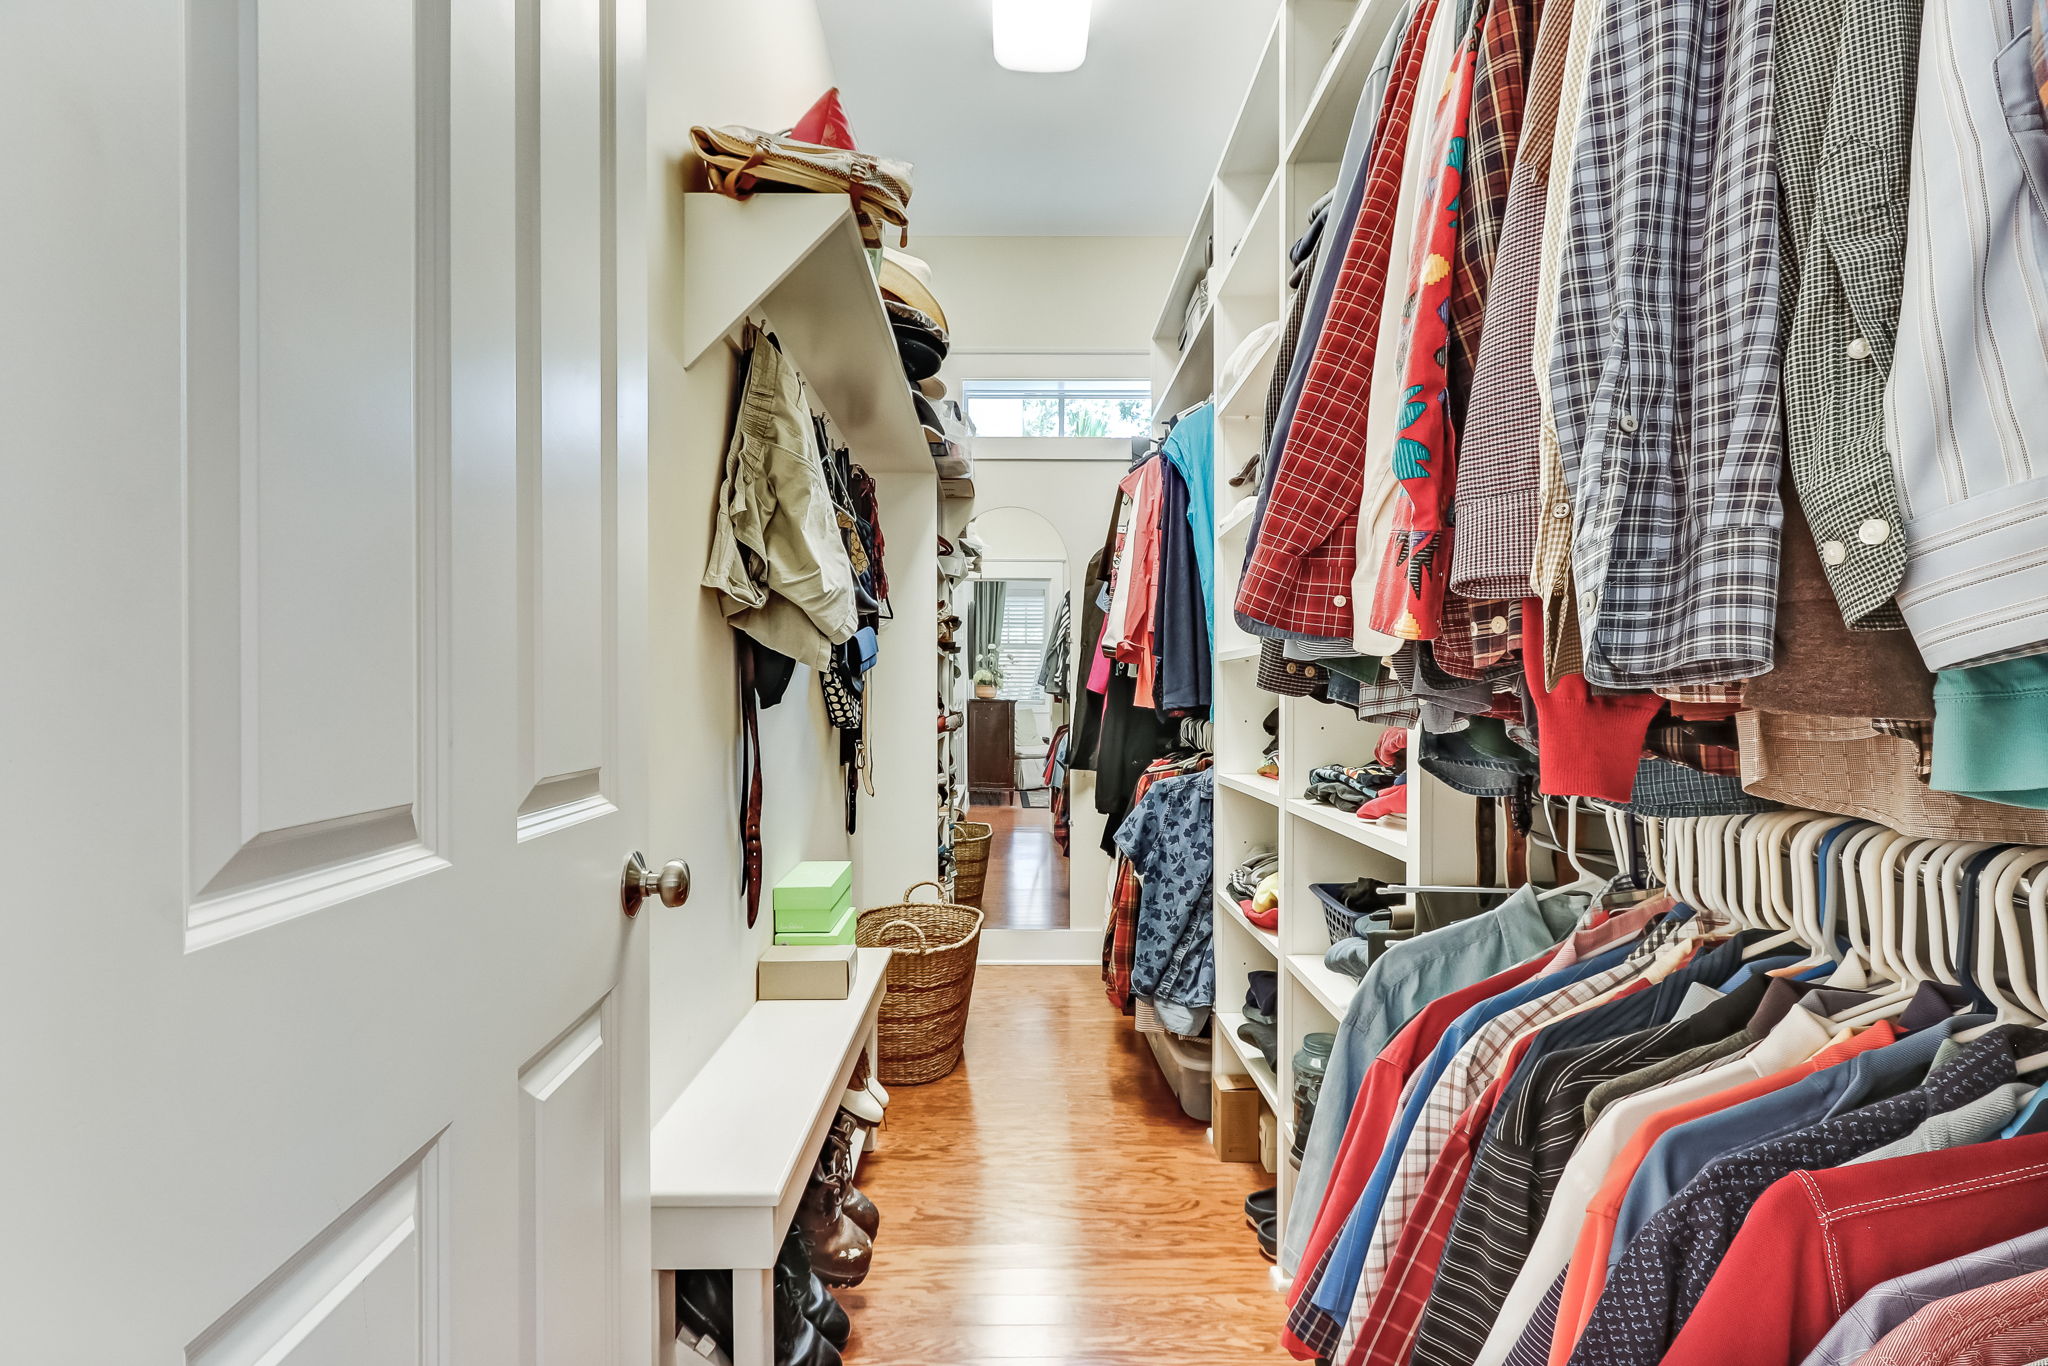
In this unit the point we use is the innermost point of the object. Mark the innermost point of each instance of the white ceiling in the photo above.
(1123, 147)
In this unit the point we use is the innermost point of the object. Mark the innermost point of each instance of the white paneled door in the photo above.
(322, 576)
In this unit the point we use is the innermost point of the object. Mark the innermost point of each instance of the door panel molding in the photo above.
(368, 1288)
(317, 470)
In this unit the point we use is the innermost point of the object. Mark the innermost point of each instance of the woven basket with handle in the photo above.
(971, 840)
(923, 1016)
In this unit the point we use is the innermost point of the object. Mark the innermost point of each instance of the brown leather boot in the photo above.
(840, 1249)
(854, 1205)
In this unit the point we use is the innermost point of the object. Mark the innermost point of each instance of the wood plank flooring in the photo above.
(1027, 887)
(1048, 1204)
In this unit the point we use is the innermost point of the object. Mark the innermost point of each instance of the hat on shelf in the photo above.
(824, 123)
(908, 279)
(933, 388)
(920, 341)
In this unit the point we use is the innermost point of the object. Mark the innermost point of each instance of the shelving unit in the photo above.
(1282, 155)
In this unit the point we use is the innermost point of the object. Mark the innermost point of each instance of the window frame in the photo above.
(1060, 392)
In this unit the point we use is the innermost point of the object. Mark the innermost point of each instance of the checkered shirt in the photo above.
(1507, 32)
(1297, 579)
(1846, 74)
(1497, 449)
(1665, 361)
(1479, 639)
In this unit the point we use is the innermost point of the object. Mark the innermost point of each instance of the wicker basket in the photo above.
(971, 840)
(923, 1015)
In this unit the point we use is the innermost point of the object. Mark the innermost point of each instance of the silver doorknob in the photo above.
(638, 882)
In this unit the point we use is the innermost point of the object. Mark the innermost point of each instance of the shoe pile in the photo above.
(830, 1243)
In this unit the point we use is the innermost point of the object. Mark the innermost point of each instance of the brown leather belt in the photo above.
(750, 780)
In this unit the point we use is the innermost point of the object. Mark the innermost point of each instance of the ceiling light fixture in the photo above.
(1041, 35)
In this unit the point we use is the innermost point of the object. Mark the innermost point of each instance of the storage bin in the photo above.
(1186, 1063)
(971, 841)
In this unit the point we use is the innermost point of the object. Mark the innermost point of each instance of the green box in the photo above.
(838, 931)
(789, 921)
(811, 896)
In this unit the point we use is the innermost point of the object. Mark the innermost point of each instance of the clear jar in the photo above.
(1311, 1061)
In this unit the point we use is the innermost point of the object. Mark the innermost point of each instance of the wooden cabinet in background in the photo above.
(991, 750)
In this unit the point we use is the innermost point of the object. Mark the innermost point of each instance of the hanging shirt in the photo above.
(1415, 565)
(1666, 1268)
(1128, 633)
(1887, 1305)
(1169, 839)
(1191, 447)
(1818, 1241)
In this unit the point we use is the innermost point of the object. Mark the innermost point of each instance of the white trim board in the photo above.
(1040, 948)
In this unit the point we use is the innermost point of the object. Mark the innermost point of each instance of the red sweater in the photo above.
(1817, 1241)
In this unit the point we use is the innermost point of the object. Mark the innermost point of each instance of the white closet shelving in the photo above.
(1281, 157)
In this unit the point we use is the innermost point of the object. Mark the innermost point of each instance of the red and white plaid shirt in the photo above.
(1298, 579)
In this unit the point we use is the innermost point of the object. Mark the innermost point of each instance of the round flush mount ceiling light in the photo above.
(1041, 35)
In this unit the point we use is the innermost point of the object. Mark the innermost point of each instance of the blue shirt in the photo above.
(1191, 446)
(1402, 980)
(1168, 838)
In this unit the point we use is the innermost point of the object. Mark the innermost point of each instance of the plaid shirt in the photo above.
(1506, 34)
(1297, 579)
(1479, 639)
(1845, 78)
(1664, 370)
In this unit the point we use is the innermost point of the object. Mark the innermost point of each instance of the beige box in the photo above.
(1234, 1118)
(805, 973)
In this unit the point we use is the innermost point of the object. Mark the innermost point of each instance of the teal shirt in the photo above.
(1991, 732)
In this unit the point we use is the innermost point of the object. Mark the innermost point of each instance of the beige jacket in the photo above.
(778, 564)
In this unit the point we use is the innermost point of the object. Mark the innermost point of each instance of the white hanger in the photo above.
(2001, 938)
(1587, 880)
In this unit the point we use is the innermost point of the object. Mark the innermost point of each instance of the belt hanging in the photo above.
(750, 779)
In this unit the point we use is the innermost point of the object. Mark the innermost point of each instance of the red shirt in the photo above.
(1817, 1241)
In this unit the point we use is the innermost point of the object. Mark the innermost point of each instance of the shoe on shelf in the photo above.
(1269, 1237)
(841, 1250)
(860, 1105)
(839, 1162)
(704, 1311)
(875, 1089)
(1263, 1204)
(813, 1298)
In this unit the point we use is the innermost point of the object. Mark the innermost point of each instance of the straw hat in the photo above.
(908, 279)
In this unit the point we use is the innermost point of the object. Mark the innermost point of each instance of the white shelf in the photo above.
(1254, 1062)
(1237, 518)
(1252, 268)
(797, 259)
(1326, 122)
(1194, 260)
(1267, 940)
(1331, 989)
(1237, 652)
(1252, 785)
(1389, 840)
(1195, 372)
(729, 1160)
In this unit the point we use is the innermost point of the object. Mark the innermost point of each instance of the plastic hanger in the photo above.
(1587, 880)
(2003, 939)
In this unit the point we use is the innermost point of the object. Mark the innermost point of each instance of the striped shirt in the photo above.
(1967, 399)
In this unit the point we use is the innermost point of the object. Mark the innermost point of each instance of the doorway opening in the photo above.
(1019, 628)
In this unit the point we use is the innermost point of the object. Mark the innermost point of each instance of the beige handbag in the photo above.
(740, 159)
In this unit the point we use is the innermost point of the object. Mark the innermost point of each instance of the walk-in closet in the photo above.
(1025, 682)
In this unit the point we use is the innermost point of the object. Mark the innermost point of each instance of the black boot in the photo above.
(812, 1294)
(704, 1307)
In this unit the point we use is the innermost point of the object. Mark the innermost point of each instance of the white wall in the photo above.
(760, 63)
(1054, 295)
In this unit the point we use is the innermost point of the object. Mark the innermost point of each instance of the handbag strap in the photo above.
(750, 780)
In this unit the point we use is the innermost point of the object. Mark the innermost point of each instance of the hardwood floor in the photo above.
(1027, 886)
(1048, 1204)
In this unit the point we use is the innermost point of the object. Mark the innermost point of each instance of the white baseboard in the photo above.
(1040, 947)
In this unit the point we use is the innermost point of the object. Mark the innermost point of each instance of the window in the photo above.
(1059, 407)
(1023, 641)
